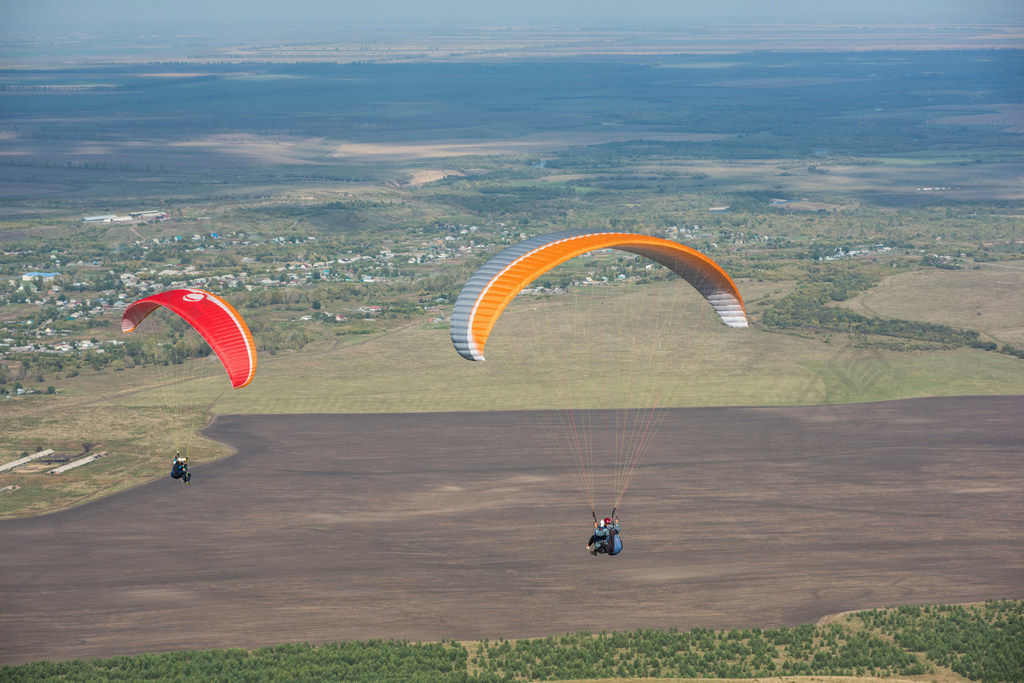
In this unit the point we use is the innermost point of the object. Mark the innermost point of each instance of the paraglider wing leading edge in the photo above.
(497, 282)
(213, 318)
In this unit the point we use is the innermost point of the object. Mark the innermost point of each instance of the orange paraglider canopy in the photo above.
(497, 282)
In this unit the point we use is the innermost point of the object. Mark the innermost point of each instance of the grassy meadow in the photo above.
(413, 368)
(986, 298)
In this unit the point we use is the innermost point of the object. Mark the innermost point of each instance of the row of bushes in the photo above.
(807, 650)
(981, 642)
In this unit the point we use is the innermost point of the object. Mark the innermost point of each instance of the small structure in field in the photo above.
(28, 458)
(77, 463)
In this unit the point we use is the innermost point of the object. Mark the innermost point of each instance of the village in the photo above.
(66, 299)
(70, 303)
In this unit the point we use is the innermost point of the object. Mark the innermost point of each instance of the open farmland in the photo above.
(268, 128)
(352, 527)
(987, 297)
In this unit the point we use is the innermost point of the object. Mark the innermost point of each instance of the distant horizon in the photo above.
(207, 44)
(59, 17)
(210, 29)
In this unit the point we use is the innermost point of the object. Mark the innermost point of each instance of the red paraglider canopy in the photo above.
(213, 318)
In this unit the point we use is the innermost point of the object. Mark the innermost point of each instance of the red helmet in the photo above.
(607, 521)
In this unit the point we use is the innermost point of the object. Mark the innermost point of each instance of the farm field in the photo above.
(333, 527)
(341, 126)
(988, 296)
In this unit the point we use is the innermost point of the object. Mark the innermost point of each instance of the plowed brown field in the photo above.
(465, 526)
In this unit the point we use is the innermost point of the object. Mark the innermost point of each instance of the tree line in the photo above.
(980, 642)
(810, 308)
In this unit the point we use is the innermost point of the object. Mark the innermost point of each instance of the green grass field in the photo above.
(985, 298)
(413, 368)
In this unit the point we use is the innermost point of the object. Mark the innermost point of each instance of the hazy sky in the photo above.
(203, 15)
